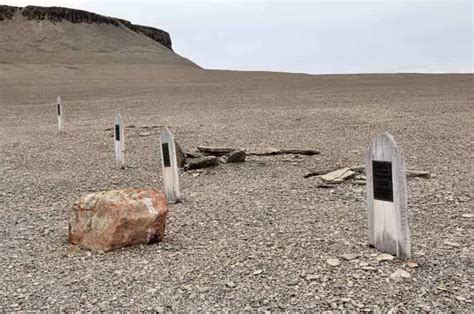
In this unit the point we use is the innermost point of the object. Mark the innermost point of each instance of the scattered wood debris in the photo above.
(274, 151)
(354, 173)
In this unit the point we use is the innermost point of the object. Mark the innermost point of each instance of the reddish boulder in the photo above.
(114, 219)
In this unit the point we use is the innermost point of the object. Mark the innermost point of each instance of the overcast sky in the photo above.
(348, 36)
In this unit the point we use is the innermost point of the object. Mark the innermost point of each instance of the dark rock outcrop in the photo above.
(7, 12)
(57, 14)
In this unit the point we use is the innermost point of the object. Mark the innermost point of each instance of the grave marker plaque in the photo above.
(387, 197)
(119, 142)
(169, 165)
(382, 178)
(59, 105)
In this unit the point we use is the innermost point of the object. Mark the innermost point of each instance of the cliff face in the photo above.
(57, 14)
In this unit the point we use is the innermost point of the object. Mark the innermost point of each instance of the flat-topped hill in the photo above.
(61, 35)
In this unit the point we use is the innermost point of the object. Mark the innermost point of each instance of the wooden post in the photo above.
(387, 197)
(119, 137)
(60, 110)
(169, 164)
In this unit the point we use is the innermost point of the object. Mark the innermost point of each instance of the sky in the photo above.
(317, 37)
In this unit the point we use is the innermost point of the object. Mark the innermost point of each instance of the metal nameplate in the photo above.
(117, 132)
(383, 182)
(166, 155)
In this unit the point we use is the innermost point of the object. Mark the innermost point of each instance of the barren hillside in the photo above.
(60, 35)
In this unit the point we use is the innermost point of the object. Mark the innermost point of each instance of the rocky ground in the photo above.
(249, 236)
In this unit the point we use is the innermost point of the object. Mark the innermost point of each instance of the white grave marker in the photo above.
(387, 197)
(59, 105)
(169, 164)
(119, 142)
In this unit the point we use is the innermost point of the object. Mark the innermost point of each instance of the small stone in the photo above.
(311, 277)
(258, 272)
(384, 257)
(292, 282)
(369, 268)
(333, 262)
(452, 244)
(460, 298)
(231, 284)
(349, 257)
(363, 264)
(144, 134)
(467, 216)
(412, 264)
(399, 274)
(236, 156)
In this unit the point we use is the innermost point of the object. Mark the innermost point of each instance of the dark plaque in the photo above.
(166, 155)
(59, 109)
(117, 132)
(383, 183)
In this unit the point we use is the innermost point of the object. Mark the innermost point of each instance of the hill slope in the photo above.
(61, 35)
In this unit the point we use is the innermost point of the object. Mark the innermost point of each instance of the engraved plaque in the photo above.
(59, 109)
(383, 184)
(117, 132)
(166, 155)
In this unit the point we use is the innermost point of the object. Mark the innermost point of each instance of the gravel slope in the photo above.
(253, 236)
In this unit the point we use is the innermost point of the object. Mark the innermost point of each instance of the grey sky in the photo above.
(307, 36)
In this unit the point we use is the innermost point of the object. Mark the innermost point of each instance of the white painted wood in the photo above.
(170, 170)
(60, 112)
(119, 139)
(388, 221)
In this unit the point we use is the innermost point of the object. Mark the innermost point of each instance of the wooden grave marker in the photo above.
(169, 165)
(60, 112)
(119, 137)
(387, 197)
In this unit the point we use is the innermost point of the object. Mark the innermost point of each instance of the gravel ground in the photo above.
(251, 236)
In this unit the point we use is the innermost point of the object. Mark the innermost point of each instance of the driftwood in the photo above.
(361, 170)
(215, 151)
(202, 162)
(419, 174)
(314, 173)
(272, 152)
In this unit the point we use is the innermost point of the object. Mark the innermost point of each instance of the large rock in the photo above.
(114, 219)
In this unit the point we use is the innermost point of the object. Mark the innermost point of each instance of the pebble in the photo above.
(384, 257)
(333, 262)
(453, 244)
(400, 274)
(311, 277)
(349, 257)
(412, 264)
(230, 284)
